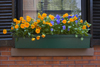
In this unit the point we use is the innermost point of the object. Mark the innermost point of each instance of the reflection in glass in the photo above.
(32, 7)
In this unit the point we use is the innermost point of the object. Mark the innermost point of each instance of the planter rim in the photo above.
(68, 35)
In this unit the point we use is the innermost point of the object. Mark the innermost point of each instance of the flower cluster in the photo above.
(59, 25)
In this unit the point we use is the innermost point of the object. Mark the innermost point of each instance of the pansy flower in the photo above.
(69, 16)
(58, 21)
(68, 29)
(76, 21)
(64, 27)
(57, 16)
(62, 19)
(51, 29)
(52, 22)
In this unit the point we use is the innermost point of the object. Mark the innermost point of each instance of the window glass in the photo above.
(32, 7)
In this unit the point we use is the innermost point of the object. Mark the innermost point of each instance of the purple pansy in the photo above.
(73, 16)
(52, 22)
(69, 16)
(58, 21)
(64, 27)
(68, 29)
(76, 15)
(79, 18)
(76, 21)
(57, 16)
(62, 19)
(51, 29)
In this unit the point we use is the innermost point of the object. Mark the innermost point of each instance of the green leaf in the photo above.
(59, 27)
(82, 38)
(75, 28)
(76, 35)
(69, 26)
(29, 34)
(61, 30)
(82, 31)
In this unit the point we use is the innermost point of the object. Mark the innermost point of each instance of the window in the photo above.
(32, 7)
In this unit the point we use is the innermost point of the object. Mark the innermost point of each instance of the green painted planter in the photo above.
(54, 41)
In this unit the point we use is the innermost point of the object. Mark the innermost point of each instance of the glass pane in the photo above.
(32, 7)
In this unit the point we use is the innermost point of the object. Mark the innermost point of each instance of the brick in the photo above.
(30, 66)
(89, 65)
(74, 58)
(98, 65)
(44, 65)
(3, 49)
(95, 62)
(52, 62)
(96, 53)
(15, 58)
(67, 62)
(60, 66)
(3, 65)
(3, 58)
(74, 66)
(90, 58)
(37, 62)
(98, 57)
(8, 62)
(9, 49)
(30, 58)
(45, 58)
(22, 62)
(81, 62)
(6, 53)
(97, 47)
(15, 66)
(59, 58)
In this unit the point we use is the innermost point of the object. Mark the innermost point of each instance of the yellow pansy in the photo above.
(21, 18)
(44, 22)
(32, 26)
(38, 37)
(15, 20)
(88, 25)
(23, 21)
(18, 21)
(12, 28)
(71, 20)
(38, 20)
(33, 39)
(81, 21)
(4, 31)
(51, 17)
(65, 15)
(44, 15)
(68, 21)
(37, 31)
(27, 24)
(64, 21)
(43, 35)
(84, 27)
(39, 16)
(22, 26)
(16, 26)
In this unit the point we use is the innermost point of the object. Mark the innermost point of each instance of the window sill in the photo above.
(52, 52)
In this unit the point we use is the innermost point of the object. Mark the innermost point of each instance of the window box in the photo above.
(54, 41)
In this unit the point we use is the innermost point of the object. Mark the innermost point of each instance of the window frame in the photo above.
(19, 9)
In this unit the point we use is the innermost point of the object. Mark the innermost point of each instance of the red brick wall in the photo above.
(7, 61)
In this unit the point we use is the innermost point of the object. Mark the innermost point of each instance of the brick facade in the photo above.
(79, 61)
